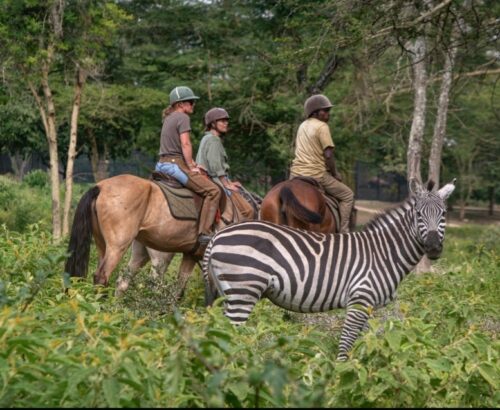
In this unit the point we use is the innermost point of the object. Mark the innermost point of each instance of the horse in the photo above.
(160, 261)
(299, 203)
(127, 210)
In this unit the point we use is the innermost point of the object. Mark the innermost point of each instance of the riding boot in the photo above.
(207, 217)
(211, 196)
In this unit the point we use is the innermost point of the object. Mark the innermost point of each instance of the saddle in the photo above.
(331, 202)
(185, 204)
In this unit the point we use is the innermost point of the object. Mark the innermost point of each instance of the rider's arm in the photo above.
(329, 155)
(187, 150)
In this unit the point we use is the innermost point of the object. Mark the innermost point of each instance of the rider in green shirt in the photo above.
(212, 157)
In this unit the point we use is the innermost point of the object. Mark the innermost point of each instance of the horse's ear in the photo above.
(430, 185)
(446, 191)
(415, 186)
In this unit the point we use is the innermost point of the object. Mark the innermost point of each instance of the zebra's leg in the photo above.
(356, 319)
(240, 302)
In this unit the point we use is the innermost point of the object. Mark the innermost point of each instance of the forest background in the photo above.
(91, 78)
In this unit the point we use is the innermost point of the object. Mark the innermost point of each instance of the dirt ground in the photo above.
(368, 209)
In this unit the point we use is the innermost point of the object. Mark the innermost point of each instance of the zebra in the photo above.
(305, 271)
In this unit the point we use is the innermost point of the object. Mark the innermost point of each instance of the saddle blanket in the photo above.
(180, 201)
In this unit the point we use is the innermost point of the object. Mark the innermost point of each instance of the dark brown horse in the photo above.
(121, 210)
(299, 203)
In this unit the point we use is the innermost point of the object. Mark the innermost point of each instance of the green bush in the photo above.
(22, 205)
(37, 179)
(65, 343)
(7, 193)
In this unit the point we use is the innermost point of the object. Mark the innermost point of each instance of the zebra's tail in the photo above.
(211, 292)
(290, 204)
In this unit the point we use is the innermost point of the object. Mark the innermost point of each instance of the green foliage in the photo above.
(64, 343)
(21, 131)
(22, 205)
(407, 366)
(37, 179)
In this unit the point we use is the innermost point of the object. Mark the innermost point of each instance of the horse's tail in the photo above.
(81, 235)
(290, 204)
(211, 292)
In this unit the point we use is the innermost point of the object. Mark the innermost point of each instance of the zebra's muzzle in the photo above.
(433, 245)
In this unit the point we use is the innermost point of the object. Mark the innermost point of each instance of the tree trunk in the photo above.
(47, 111)
(79, 84)
(491, 206)
(19, 163)
(442, 112)
(48, 114)
(414, 154)
(461, 215)
(99, 162)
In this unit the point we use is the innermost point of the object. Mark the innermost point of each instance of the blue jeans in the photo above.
(173, 170)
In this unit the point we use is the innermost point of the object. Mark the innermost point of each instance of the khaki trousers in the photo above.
(204, 187)
(342, 193)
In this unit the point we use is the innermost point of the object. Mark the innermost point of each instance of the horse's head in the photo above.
(430, 215)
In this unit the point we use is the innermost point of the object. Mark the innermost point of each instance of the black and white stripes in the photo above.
(312, 272)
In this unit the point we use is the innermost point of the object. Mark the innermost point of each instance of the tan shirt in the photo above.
(313, 136)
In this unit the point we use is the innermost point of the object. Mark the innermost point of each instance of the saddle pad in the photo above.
(333, 205)
(180, 201)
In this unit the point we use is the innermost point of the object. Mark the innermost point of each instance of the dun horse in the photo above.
(299, 203)
(119, 210)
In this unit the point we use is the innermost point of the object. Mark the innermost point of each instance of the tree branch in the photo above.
(413, 23)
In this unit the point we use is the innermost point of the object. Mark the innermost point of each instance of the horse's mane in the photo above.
(378, 220)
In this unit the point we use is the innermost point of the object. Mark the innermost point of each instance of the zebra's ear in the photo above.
(415, 186)
(446, 191)
(430, 185)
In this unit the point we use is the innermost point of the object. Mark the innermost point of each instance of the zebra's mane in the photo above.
(395, 212)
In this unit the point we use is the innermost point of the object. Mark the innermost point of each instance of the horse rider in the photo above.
(314, 155)
(213, 158)
(176, 157)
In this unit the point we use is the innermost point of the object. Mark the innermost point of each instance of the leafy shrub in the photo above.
(22, 205)
(37, 179)
(81, 346)
(7, 194)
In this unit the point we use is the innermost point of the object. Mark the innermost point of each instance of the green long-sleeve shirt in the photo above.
(212, 156)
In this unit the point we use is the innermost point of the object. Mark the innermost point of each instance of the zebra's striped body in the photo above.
(304, 271)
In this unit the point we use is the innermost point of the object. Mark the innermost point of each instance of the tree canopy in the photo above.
(261, 59)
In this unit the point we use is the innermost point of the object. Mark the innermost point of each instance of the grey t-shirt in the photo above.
(173, 126)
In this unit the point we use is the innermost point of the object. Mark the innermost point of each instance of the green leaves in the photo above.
(435, 348)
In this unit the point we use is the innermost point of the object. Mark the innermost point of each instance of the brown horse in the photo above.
(119, 210)
(160, 261)
(299, 203)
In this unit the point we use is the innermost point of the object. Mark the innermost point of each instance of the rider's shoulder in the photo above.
(313, 124)
(178, 116)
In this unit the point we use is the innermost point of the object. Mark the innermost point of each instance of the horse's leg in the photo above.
(138, 258)
(106, 266)
(187, 266)
(160, 261)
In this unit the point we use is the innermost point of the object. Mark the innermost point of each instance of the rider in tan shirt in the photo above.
(314, 156)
